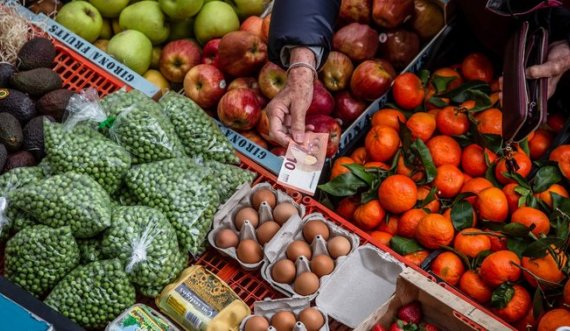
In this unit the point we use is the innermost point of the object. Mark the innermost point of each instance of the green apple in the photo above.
(102, 44)
(181, 9)
(246, 8)
(215, 20)
(146, 17)
(110, 8)
(181, 29)
(107, 30)
(155, 61)
(133, 49)
(81, 18)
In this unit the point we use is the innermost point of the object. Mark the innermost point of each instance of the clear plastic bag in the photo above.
(71, 199)
(138, 124)
(184, 191)
(229, 178)
(200, 135)
(89, 250)
(38, 257)
(145, 241)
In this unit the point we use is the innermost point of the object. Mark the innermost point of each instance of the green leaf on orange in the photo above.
(440, 83)
(502, 295)
(462, 215)
(539, 247)
(359, 171)
(344, 185)
(545, 177)
(427, 161)
(404, 246)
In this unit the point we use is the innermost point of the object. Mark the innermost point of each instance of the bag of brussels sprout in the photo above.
(200, 135)
(14, 179)
(143, 239)
(70, 199)
(124, 197)
(229, 178)
(86, 151)
(137, 123)
(184, 191)
(94, 294)
(89, 250)
(39, 256)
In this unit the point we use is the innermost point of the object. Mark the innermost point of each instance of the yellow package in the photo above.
(200, 301)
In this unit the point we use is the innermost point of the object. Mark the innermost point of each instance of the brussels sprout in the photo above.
(143, 239)
(141, 127)
(200, 135)
(93, 295)
(229, 178)
(124, 197)
(69, 199)
(89, 250)
(38, 257)
(86, 151)
(184, 191)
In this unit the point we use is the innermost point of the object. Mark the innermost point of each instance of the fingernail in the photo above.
(299, 137)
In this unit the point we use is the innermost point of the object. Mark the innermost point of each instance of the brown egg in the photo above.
(322, 265)
(284, 271)
(266, 231)
(312, 319)
(314, 228)
(263, 195)
(249, 251)
(226, 238)
(306, 283)
(283, 212)
(283, 321)
(257, 323)
(338, 246)
(298, 248)
(244, 214)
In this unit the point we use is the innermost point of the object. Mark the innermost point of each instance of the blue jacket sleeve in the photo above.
(302, 22)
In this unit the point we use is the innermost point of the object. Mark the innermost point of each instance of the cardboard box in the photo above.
(440, 307)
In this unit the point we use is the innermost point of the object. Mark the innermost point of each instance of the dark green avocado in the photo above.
(36, 82)
(36, 53)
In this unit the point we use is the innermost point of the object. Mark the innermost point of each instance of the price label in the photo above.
(303, 163)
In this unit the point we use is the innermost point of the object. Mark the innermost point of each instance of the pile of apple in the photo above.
(218, 51)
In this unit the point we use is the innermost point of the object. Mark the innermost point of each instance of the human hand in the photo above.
(557, 63)
(287, 110)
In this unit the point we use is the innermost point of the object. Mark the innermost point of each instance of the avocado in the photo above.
(54, 103)
(17, 104)
(3, 157)
(19, 159)
(34, 136)
(6, 71)
(36, 82)
(36, 53)
(11, 134)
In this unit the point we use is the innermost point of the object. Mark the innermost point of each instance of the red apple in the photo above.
(391, 13)
(326, 124)
(336, 71)
(205, 84)
(358, 41)
(250, 83)
(242, 53)
(272, 79)
(177, 58)
(323, 101)
(255, 138)
(265, 27)
(279, 151)
(253, 24)
(427, 19)
(348, 108)
(399, 47)
(371, 79)
(263, 127)
(355, 11)
(210, 54)
(239, 109)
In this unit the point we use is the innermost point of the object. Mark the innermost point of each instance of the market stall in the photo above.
(140, 190)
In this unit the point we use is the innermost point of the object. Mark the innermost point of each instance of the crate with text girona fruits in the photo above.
(436, 180)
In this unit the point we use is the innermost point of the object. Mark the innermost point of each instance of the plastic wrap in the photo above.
(38, 257)
(143, 239)
(184, 191)
(89, 250)
(229, 178)
(93, 295)
(69, 199)
(200, 135)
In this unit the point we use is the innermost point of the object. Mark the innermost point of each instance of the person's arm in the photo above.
(299, 39)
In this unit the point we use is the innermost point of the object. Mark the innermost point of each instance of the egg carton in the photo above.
(267, 308)
(224, 219)
(318, 247)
